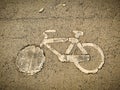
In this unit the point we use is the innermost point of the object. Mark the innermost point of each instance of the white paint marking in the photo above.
(69, 48)
(76, 59)
(50, 31)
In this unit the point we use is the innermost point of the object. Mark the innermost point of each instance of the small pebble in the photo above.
(63, 5)
(41, 10)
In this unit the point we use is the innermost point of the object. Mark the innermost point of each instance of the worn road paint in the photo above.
(30, 60)
(27, 63)
(76, 59)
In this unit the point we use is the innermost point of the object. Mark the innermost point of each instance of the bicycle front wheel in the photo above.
(30, 59)
(96, 59)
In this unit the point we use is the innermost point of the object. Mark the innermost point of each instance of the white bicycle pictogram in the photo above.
(76, 59)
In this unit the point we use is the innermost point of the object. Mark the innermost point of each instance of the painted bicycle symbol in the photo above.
(34, 63)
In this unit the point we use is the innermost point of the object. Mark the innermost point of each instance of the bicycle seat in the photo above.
(50, 31)
(78, 33)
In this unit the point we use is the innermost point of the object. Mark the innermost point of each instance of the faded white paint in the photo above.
(30, 60)
(76, 59)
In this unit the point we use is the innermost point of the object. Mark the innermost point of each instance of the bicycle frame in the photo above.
(66, 57)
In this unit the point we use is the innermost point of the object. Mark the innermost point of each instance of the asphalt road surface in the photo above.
(22, 23)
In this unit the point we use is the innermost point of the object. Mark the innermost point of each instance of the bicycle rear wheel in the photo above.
(92, 54)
